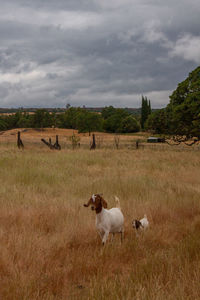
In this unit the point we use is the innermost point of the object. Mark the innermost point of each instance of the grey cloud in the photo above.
(117, 51)
(187, 47)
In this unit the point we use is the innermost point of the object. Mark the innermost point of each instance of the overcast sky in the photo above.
(95, 52)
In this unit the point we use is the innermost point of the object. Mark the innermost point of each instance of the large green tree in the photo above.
(184, 106)
(182, 114)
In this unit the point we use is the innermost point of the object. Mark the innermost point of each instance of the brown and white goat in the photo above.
(107, 220)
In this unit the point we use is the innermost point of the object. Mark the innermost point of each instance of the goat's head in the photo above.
(96, 202)
(136, 224)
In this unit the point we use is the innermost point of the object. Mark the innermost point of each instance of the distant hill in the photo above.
(135, 111)
(14, 110)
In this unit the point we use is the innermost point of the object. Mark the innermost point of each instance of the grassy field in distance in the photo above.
(48, 242)
(32, 137)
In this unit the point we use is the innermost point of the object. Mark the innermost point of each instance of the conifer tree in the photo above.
(145, 110)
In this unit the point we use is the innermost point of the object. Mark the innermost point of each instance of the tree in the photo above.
(42, 119)
(130, 124)
(24, 121)
(182, 114)
(145, 110)
(184, 106)
(157, 122)
(68, 106)
(3, 124)
(108, 112)
(89, 121)
(69, 118)
(113, 123)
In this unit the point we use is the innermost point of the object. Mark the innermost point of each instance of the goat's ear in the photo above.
(89, 202)
(104, 203)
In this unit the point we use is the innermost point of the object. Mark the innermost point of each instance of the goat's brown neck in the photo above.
(98, 209)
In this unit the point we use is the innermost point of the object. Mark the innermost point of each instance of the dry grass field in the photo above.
(32, 137)
(49, 248)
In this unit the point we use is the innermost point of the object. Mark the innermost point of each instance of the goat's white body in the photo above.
(144, 222)
(109, 221)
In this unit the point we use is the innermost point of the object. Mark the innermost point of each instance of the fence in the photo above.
(93, 142)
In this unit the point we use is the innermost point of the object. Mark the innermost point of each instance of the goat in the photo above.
(141, 224)
(107, 220)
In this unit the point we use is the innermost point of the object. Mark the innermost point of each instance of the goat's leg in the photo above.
(100, 234)
(122, 235)
(106, 234)
(137, 233)
(112, 237)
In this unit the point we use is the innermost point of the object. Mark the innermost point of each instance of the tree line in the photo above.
(114, 120)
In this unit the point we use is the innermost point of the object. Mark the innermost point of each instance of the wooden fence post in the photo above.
(19, 141)
(93, 146)
(56, 145)
(49, 144)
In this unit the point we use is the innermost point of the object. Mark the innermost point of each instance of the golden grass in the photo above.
(48, 243)
(32, 137)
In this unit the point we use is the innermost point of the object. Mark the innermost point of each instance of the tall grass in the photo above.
(48, 243)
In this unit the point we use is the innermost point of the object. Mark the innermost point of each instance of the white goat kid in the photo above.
(141, 224)
(107, 220)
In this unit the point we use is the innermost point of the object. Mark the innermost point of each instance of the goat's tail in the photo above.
(117, 202)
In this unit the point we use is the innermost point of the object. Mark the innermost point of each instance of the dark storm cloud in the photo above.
(95, 52)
